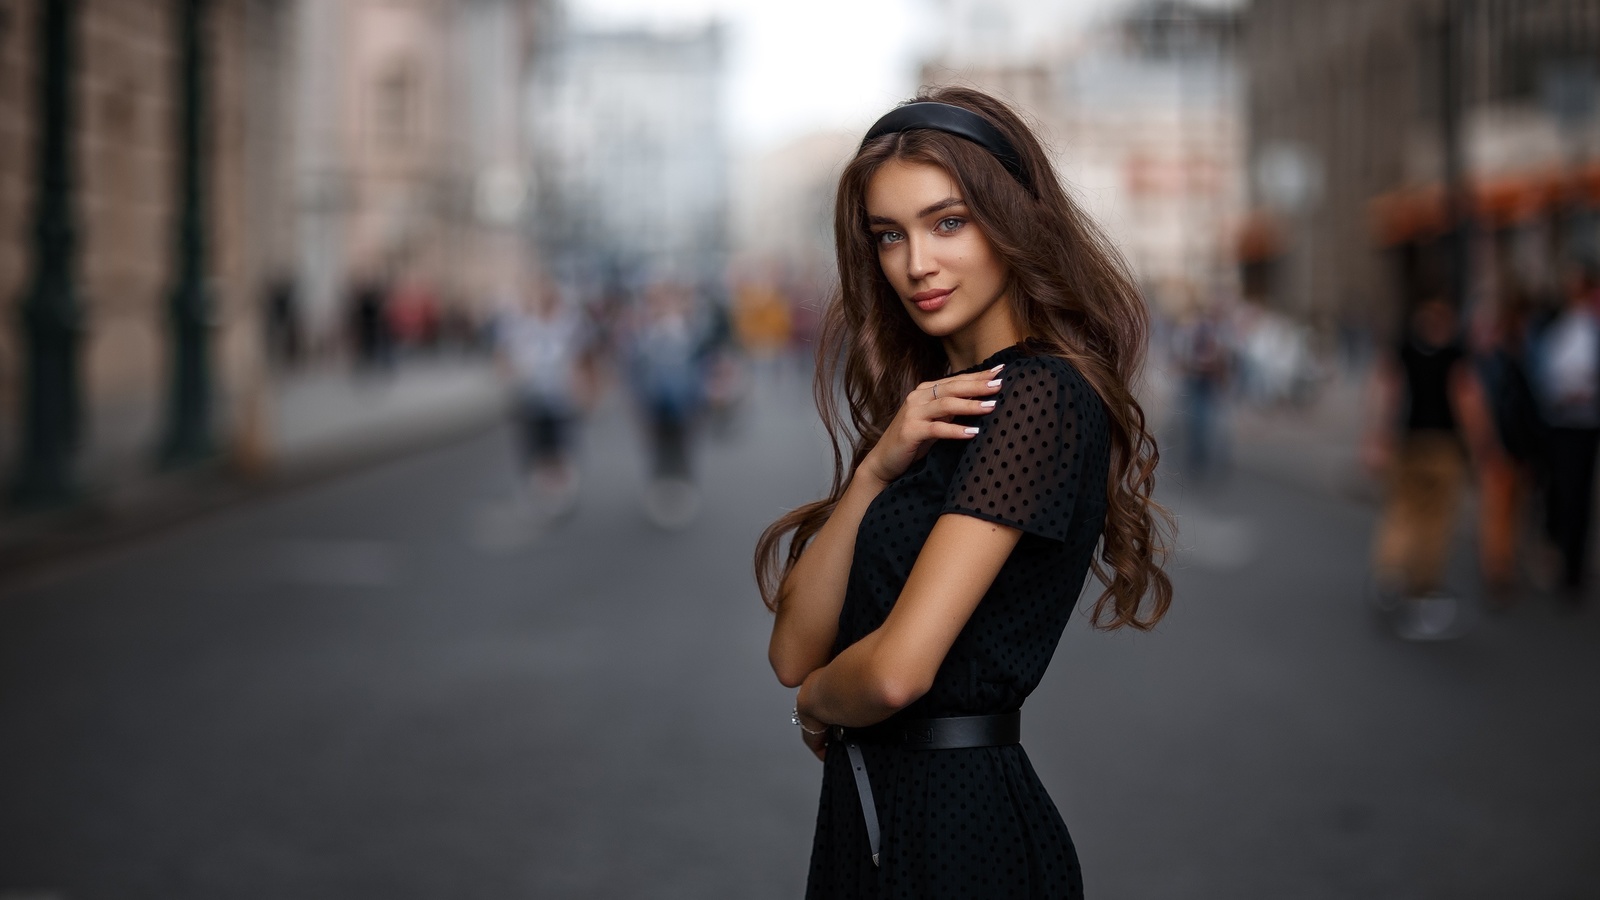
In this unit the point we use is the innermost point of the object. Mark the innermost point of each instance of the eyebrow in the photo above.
(946, 203)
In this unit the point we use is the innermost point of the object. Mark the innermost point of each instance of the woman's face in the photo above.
(949, 278)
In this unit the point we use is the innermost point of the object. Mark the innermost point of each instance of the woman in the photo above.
(985, 336)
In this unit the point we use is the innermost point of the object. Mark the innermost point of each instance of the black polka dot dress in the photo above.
(974, 823)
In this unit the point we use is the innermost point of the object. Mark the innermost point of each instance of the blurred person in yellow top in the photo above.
(762, 319)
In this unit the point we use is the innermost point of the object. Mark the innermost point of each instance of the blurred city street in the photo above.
(395, 685)
(393, 394)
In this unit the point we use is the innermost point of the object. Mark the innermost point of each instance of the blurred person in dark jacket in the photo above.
(667, 350)
(1565, 364)
(283, 328)
(1203, 356)
(369, 323)
(1429, 410)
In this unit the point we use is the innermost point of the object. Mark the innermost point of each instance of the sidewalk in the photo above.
(328, 418)
(317, 422)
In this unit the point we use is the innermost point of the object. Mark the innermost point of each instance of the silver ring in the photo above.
(936, 391)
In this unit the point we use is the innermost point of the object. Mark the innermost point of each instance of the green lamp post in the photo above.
(51, 315)
(188, 437)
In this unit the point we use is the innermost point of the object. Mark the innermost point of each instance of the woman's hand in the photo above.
(925, 417)
(817, 743)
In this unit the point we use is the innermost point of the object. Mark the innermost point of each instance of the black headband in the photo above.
(956, 120)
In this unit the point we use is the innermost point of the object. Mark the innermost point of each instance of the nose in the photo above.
(919, 258)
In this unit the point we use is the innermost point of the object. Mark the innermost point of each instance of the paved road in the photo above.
(387, 686)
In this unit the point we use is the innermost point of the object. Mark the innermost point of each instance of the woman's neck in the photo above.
(975, 344)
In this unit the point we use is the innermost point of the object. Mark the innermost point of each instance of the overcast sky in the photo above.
(797, 66)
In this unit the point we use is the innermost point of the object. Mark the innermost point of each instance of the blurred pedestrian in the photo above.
(983, 336)
(283, 327)
(369, 324)
(1506, 471)
(412, 314)
(1203, 355)
(1566, 368)
(762, 318)
(544, 351)
(722, 367)
(666, 357)
(1429, 409)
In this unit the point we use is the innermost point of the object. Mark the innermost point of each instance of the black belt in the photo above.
(948, 733)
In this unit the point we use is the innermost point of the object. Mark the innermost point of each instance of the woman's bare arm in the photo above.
(894, 665)
(810, 598)
(812, 594)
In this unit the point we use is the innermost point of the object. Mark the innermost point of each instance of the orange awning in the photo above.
(1422, 213)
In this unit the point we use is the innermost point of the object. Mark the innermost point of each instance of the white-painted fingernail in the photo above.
(998, 368)
(994, 383)
(971, 430)
(987, 404)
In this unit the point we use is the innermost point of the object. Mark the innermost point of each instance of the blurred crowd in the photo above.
(1226, 351)
(1503, 399)
(1510, 399)
(384, 319)
(681, 353)
(1196, 133)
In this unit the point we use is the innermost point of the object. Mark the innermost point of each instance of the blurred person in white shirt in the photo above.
(544, 349)
(1565, 364)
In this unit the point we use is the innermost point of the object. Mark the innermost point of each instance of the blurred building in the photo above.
(1143, 111)
(163, 163)
(407, 160)
(1384, 123)
(783, 204)
(631, 170)
(127, 246)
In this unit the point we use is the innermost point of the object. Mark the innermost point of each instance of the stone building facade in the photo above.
(1354, 103)
(410, 150)
(123, 199)
(336, 138)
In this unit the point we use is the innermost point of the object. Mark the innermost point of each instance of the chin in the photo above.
(937, 324)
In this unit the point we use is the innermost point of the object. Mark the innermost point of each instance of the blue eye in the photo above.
(950, 223)
(886, 237)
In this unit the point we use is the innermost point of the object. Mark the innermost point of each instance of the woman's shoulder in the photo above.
(1037, 365)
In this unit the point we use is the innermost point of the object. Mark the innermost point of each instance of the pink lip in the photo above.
(930, 301)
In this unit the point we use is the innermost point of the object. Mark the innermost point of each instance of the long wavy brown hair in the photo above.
(1072, 296)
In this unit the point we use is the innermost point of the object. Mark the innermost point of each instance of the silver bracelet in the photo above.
(794, 716)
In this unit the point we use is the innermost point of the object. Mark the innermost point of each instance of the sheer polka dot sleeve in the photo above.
(1023, 468)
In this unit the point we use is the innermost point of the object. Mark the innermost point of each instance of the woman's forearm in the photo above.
(850, 690)
(892, 666)
(811, 596)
